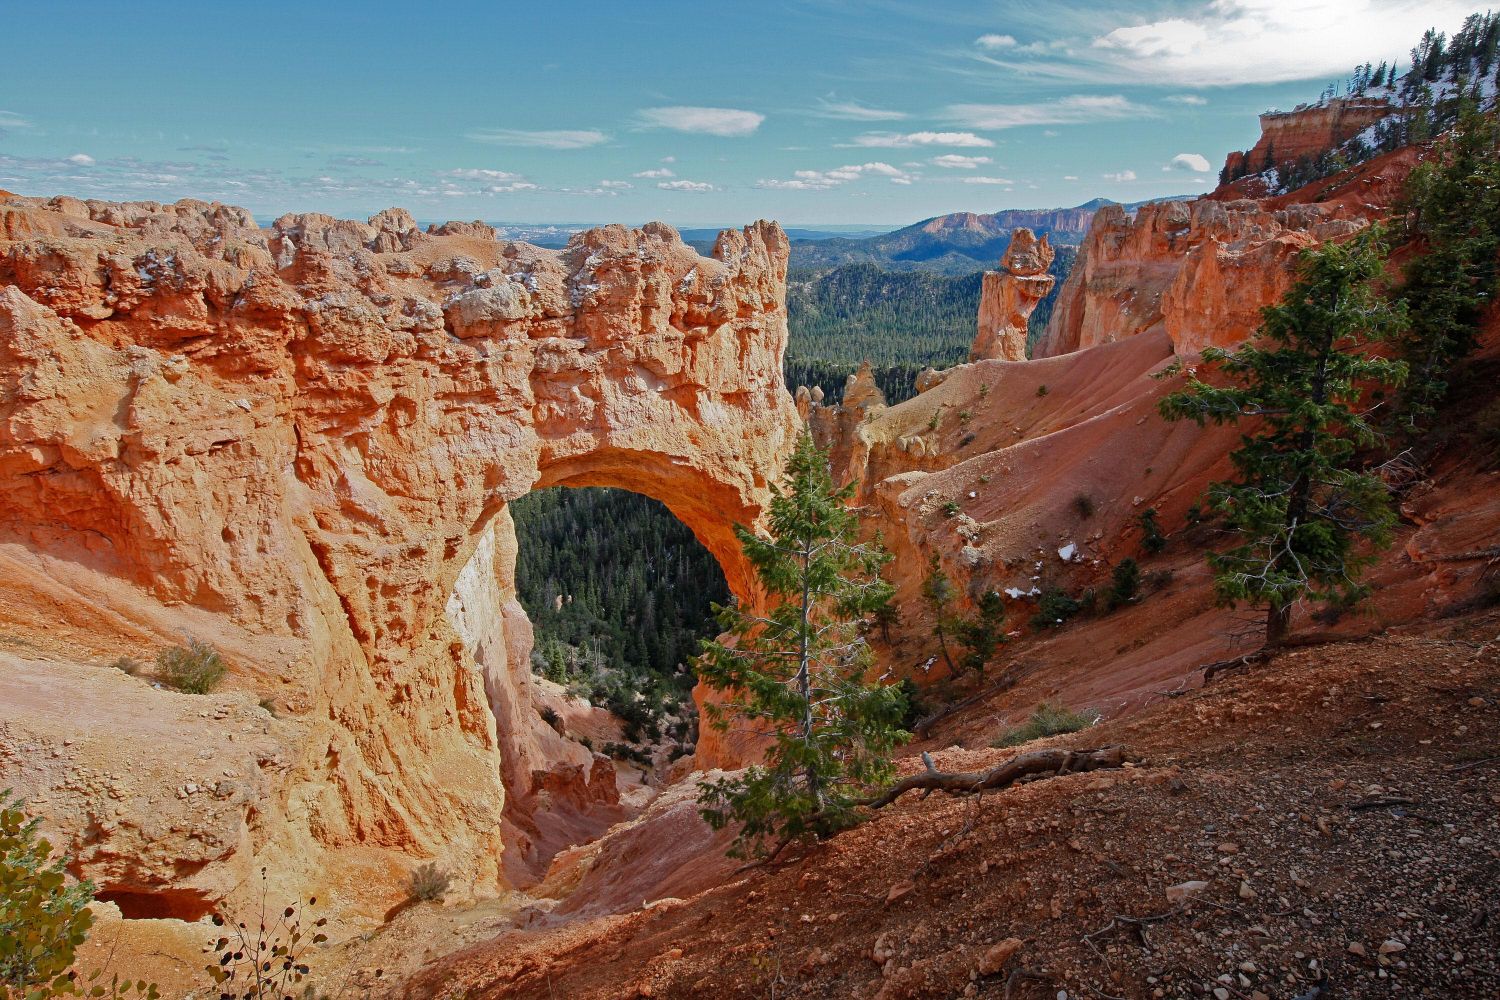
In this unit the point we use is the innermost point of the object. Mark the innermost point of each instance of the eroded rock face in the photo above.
(312, 430)
(1199, 270)
(1008, 297)
(1289, 136)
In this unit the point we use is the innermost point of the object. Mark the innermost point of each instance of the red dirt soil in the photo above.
(1340, 803)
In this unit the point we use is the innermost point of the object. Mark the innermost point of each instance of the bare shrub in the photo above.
(196, 668)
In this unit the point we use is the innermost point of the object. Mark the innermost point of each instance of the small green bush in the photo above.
(1083, 506)
(551, 718)
(1053, 608)
(952, 509)
(428, 883)
(44, 920)
(196, 668)
(1152, 539)
(1125, 585)
(1045, 720)
(1041, 390)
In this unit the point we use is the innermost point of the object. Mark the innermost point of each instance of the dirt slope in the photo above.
(1340, 804)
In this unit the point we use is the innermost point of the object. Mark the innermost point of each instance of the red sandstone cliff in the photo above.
(1306, 132)
(1201, 270)
(298, 443)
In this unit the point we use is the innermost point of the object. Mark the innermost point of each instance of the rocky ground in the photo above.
(1326, 825)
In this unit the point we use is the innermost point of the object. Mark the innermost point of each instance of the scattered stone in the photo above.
(1184, 891)
(997, 955)
(898, 890)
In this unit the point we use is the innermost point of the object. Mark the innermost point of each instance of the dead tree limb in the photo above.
(1037, 762)
(1212, 670)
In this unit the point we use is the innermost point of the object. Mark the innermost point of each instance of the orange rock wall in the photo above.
(312, 430)
(1199, 270)
(1287, 136)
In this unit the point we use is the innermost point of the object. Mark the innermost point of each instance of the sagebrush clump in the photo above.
(428, 883)
(196, 668)
(1045, 720)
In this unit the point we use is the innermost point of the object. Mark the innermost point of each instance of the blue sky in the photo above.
(704, 113)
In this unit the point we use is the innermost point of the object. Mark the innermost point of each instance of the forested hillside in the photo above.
(619, 592)
(901, 322)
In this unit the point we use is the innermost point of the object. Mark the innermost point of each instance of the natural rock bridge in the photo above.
(308, 434)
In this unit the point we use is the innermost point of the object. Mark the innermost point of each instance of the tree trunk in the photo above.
(1026, 765)
(1278, 620)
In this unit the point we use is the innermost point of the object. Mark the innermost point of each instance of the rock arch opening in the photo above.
(581, 607)
(619, 593)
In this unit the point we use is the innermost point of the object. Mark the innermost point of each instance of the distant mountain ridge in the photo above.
(958, 243)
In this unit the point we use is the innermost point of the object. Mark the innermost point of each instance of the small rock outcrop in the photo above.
(1010, 295)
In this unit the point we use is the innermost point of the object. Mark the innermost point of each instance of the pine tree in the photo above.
(983, 633)
(1299, 503)
(1452, 210)
(797, 672)
(939, 594)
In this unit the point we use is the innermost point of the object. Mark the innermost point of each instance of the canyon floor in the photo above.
(1341, 803)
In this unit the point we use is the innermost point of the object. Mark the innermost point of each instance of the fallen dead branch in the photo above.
(1212, 670)
(1037, 762)
(1019, 974)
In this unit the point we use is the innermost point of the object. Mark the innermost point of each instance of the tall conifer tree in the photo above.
(797, 672)
(1299, 503)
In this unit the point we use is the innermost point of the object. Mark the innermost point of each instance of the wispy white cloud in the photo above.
(11, 120)
(545, 139)
(995, 41)
(654, 173)
(616, 185)
(1192, 100)
(81, 159)
(897, 140)
(855, 111)
(1072, 110)
(1228, 42)
(822, 180)
(1196, 162)
(1121, 176)
(479, 174)
(693, 186)
(725, 122)
(955, 161)
(988, 180)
